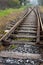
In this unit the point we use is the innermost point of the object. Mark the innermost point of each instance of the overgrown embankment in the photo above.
(8, 15)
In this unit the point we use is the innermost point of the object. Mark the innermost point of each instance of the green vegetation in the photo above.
(24, 39)
(29, 5)
(2, 32)
(10, 10)
(12, 46)
(40, 2)
(22, 1)
(13, 3)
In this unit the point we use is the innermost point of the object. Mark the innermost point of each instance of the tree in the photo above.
(13, 3)
(40, 2)
(22, 1)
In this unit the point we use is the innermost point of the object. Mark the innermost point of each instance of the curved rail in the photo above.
(23, 55)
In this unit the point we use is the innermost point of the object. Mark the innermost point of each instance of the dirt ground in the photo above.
(41, 8)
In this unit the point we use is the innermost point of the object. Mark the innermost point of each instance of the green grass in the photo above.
(24, 39)
(12, 47)
(10, 10)
(2, 32)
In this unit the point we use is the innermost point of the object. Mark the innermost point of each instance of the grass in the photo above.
(2, 32)
(12, 47)
(10, 10)
(24, 39)
(8, 15)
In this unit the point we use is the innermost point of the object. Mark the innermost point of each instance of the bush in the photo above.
(13, 3)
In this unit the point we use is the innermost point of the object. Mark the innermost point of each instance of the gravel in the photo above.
(27, 49)
(10, 61)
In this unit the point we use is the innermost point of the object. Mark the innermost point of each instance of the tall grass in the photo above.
(10, 10)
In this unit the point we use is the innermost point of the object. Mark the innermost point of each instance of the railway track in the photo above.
(25, 35)
(41, 28)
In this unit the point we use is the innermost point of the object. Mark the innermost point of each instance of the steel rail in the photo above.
(12, 54)
(38, 27)
(15, 26)
(40, 20)
(18, 23)
(41, 26)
